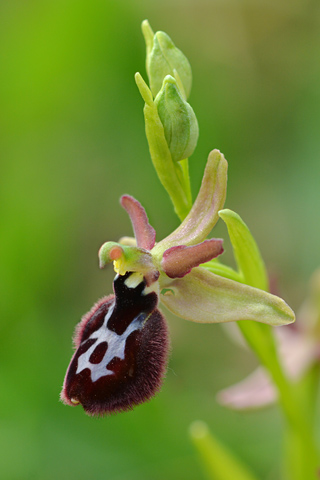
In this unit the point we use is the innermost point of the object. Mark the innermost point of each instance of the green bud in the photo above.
(178, 119)
(164, 58)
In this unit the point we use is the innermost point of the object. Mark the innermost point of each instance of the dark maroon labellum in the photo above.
(122, 350)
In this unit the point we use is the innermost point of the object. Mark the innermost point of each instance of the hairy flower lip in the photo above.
(121, 356)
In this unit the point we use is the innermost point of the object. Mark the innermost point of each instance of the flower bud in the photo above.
(164, 58)
(178, 119)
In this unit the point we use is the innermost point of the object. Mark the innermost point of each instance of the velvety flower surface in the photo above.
(122, 343)
(122, 349)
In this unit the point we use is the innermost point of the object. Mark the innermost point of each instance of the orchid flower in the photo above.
(122, 343)
(299, 350)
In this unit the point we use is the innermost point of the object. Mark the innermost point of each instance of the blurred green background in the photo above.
(72, 141)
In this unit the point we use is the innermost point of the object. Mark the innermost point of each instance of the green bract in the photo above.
(178, 119)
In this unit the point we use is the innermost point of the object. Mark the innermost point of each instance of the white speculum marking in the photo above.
(116, 347)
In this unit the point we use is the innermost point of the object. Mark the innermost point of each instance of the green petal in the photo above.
(204, 297)
(246, 252)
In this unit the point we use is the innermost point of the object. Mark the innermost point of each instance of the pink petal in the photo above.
(145, 234)
(178, 261)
